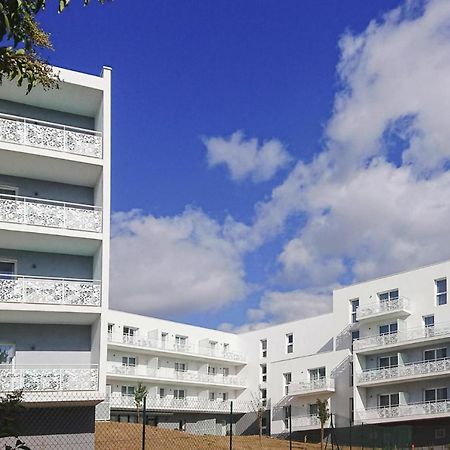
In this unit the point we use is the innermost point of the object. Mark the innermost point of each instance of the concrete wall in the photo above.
(49, 264)
(48, 115)
(48, 344)
(49, 190)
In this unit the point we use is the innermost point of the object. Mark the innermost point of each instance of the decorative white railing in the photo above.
(171, 374)
(48, 378)
(50, 213)
(408, 335)
(180, 404)
(50, 136)
(174, 347)
(52, 291)
(311, 421)
(421, 409)
(379, 307)
(405, 370)
(313, 386)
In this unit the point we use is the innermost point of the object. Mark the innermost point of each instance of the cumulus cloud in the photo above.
(168, 266)
(247, 158)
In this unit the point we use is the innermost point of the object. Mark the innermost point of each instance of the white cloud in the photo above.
(246, 158)
(172, 265)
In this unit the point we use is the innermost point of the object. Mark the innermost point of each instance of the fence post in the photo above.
(290, 427)
(144, 419)
(231, 425)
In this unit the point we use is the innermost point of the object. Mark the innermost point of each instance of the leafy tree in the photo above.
(324, 414)
(259, 408)
(139, 394)
(10, 407)
(23, 39)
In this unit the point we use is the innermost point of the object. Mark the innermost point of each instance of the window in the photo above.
(390, 328)
(212, 396)
(289, 343)
(263, 373)
(263, 394)
(110, 328)
(164, 336)
(388, 400)
(179, 394)
(355, 336)
(127, 390)
(287, 378)
(6, 192)
(441, 291)
(212, 370)
(224, 396)
(316, 374)
(181, 367)
(354, 303)
(180, 341)
(226, 348)
(226, 371)
(428, 321)
(434, 354)
(129, 361)
(385, 362)
(435, 395)
(351, 373)
(286, 416)
(263, 348)
(313, 409)
(7, 269)
(130, 332)
(162, 393)
(388, 295)
(352, 409)
(213, 345)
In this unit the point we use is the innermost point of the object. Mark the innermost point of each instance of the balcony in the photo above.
(33, 379)
(321, 387)
(50, 214)
(405, 372)
(168, 347)
(412, 337)
(412, 411)
(20, 289)
(119, 401)
(170, 375)
(310, 422)
(395, 308)
(50, 136)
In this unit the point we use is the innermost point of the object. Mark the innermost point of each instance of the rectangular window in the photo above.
(180, 367)
(441, 291)
(127, 390)
(287, 378)
(129, 331)
(224, 396)
(317, 374)
(7, 269)
(263, 394)
(212, 396)
(180, 341)
(286, 416)
(289, 343)
(436, 394)
(388, 295)
(355, 336)
(428, 321)
(110, 328)
(129, 361)
(212, 370)
(385, 362)
(179, 394)
(263, 373)
(263, 343)
(354, 303)
(313, 409)
(162, 393)
(434, 354)
(388, 400)
(390, 328)
(226, 348)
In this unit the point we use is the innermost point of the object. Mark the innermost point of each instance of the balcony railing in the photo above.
(50, 136)
(421, 410)
(48, 378)
(308, 387)
(171, 374)
(410, 335)
(415, 369)
(306, 422)
(175, 347)
(51, 291)
(380, 307)
(180, 404)
(50, 213)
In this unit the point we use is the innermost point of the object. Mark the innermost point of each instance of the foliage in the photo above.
(24, 38)
(10, 407)
(139, 394)
(324, 414)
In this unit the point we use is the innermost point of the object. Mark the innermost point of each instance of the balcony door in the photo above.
(317, 374)
(388, 296)
(388, 400)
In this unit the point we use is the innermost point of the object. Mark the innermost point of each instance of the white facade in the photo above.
(380, 356)
(54, 238)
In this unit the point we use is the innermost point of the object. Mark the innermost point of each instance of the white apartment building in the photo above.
(54, 241)
(379, 358)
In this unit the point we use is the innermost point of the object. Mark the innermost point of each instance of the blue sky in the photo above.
(314, 83)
